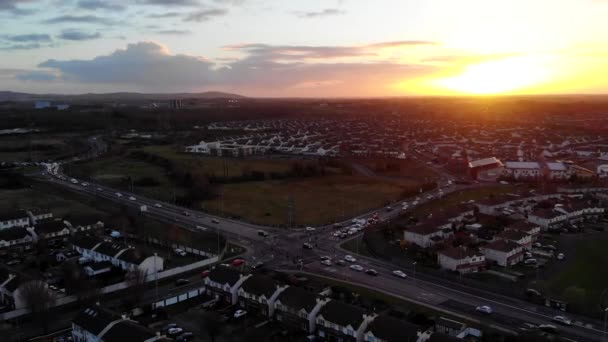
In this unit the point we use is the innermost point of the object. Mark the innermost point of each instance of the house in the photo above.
(17, 238)
(11, 290)
(339, 321)
(488, 168)
(504, 253)
(461, 259)
(67, 255)
(427, 234)
(224, 282)
(448, 326)
(298, 308)
(526, 227)
(125, 257)
(96, 268)
(95, 324)
(83, 225)
(547, 218)
(387, 329)
(10, 219)
(54, 231)
(521, 238)
(522, 170)
(38, 215)
(258, 294)
(557, 171)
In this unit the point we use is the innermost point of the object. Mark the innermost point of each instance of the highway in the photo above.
(280, 248)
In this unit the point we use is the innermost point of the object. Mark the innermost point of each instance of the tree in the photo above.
(38, 300)
(86, 290)
(136, 280)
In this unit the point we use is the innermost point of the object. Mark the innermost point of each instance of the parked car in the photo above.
(325, 257)
(187, 336)
(307, 245)
(310, 229)
(357, 268)
(341, 263)
(530, 262)
(13, 262)
(237, 262)
(484, 309)
(158, 205)
(399, 274)
(548, 328)
(216, 221)
(132, 198)
(118, 194)
(180, 252)
(185, 213)
(174, 332)
(257, 265)
(181, 281)
(326, 262)
(562, 320)
(561, 256)
(349, 258)
(205, 273)
(239, 313)
(262, 233)
(169, 326)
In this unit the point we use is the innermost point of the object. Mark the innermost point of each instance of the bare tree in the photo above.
(38, 299)
(136, 279)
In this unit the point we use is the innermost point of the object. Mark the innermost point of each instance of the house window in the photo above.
(350, 332)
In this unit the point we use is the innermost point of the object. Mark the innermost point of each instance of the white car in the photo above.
(310, 229)
(562, 320)
(349, 258)
(357, 268)
(158, 205)
(484, 309)
(132, 198)
(175, 331)
(179, 251)
(399, 274)
(84, 184)
(326, 262)
(118, 194)
(239, 313)
(99, 189)
(561, 256)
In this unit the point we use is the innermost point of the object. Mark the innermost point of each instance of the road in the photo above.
(280, 248)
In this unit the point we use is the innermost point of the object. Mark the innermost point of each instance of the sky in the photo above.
(305, 48)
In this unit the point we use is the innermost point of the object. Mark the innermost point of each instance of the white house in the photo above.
(19, 218)
(20, 238)
(298, 308)
(259, 293)
(521, 238)
(504, 253)
(427, 234)
(461, 259)
(522, 170)
(224, 282)
(558, 171)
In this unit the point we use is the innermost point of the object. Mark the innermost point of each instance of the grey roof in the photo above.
(224, 275)
(109, 248)
(393, 330)
(14, 233)
(260, 285)
(86, 241)
(94, 319)
(298, 298)
(46, 227)
(342, 314)
(128, 331)
(132, 256)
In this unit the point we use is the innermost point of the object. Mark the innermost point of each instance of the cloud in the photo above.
(173, 3)
(174, 32)
(36, 76)
(402, 43)
(29, 46)
(13, 6)
(323, 13)
(73, 34)
(206, 15)
(149, 66)
(82, 19)
(27, 38)
(164, 15)
(101, 4)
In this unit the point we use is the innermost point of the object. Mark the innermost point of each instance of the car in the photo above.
(357, 268)
(205, 273)
(326, 262)
(185, 213)
(99, 189)
(343, 236)
(349, 258)
(551, 247)
(180, 252)
(530, 261)
(527, 255)
(84, 184)
(170, 326)
(307, 245)
(562, 320)
(13, 262)
(310, 229)
(561, 256)
(131, 198)
(216, 221)
(158, 205)
(371, 272)
(257, 265)
(484, 309)
(399, 274)
(201, 228)
(181, 282)
(173, 332)
(239, 313)
(118, 194)
(537, 245)
(548, 328)
(337, 234)
(262, 233)
(389, 208)
(341, 263)
(237, 262)
(325, 257)
(533, 292)
(187, 336)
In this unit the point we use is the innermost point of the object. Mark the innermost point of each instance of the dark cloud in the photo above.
(149, 66)
(74, 34)
(206, 15)
(174, 32)
(324, 13)
(299, 52)
(29, 46)
(82, 19)
(164, 15)
(20, 38)
(13, 6)
(101, 4)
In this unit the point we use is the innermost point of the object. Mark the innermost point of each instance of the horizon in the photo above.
(337, 48)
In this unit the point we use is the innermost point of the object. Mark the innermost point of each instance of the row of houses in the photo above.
(22, 218)
(325, 318)
(492, 168)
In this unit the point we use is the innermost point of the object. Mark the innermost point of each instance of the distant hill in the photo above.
(15, 96)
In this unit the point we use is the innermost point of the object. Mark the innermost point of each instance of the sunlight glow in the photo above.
(510, 75)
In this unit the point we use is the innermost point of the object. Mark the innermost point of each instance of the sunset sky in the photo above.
(328, 48)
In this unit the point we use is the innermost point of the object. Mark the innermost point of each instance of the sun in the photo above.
(504, 76)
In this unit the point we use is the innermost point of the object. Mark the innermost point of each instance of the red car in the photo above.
(205, 274)
(237, 262)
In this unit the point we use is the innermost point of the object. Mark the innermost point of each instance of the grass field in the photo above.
(406, 168)
(19, 148)
(316, 200)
